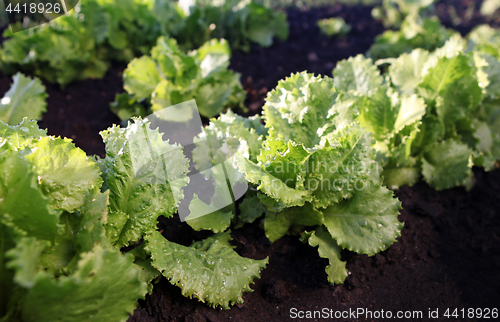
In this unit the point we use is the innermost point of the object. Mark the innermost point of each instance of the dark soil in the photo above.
(447, 257)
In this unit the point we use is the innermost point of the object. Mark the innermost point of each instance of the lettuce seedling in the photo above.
(433, 114)
(169, 77)
(333, 27)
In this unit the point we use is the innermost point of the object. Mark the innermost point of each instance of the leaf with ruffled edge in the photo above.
(107, 277)
(25, 98)
(347, 160)
(298, 108)
(447, 164)
(22, 201)
(367, 223)
(291, 220)
(141, 77)
(328, 248)
(407, 70)
(357, 74)
(65, 173)
(209, 270)
(145, 176)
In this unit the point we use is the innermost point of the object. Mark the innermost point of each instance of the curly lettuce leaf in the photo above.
(250, 209)
(145, 176)
(346, 160)
(65, 173)
(94, 217)
(407, 70)
(209, 270)
(298, 108)
(447, 164)
(264, 24)
(357, 74)
(367, 223)
(21, 136)
(284, 195)
(169, 77)
(24, 258)
(328, 248)
(229, 125)
(22, 202)
(107, 277)
(454, 87)
(141, 77)
(25, 98)
(277, 225)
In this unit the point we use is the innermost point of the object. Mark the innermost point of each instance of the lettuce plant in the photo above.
(82, 43)
(25, 98)
(64, 218)
(434, 114)
(240, 22)
(394, 12)
(415, 32)
(333, 27)
(169, 77)
(52, 257)
(313, 172)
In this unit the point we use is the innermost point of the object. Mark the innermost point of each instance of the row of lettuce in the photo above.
(83, 43)
(317, 170)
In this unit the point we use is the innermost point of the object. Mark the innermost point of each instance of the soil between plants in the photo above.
(447, 257)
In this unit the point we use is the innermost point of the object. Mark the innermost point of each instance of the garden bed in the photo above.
(447, 257)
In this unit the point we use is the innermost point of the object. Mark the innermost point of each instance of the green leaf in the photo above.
(273, 186)
(430, 131)
(447, 164)
(347, 160)
(379, 112)
(492, 71)
(357, 74)
(23, 259)
(94, 217)
(406, 71)
(209, 270)
(453, 84)
(229, 125)
(298, 107)
(65, 173)
(145, 176)
(263, 24)
(107, 277)
(291, 220)
(125, 107)
(22, 202)
(213, 216)
(25, 98)
(22, 135)
(401, 176)
(333, 27)
(214, 56)
(412, 110)
(328, 248)
(251, 209)
(367, 223)
(141, 77)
